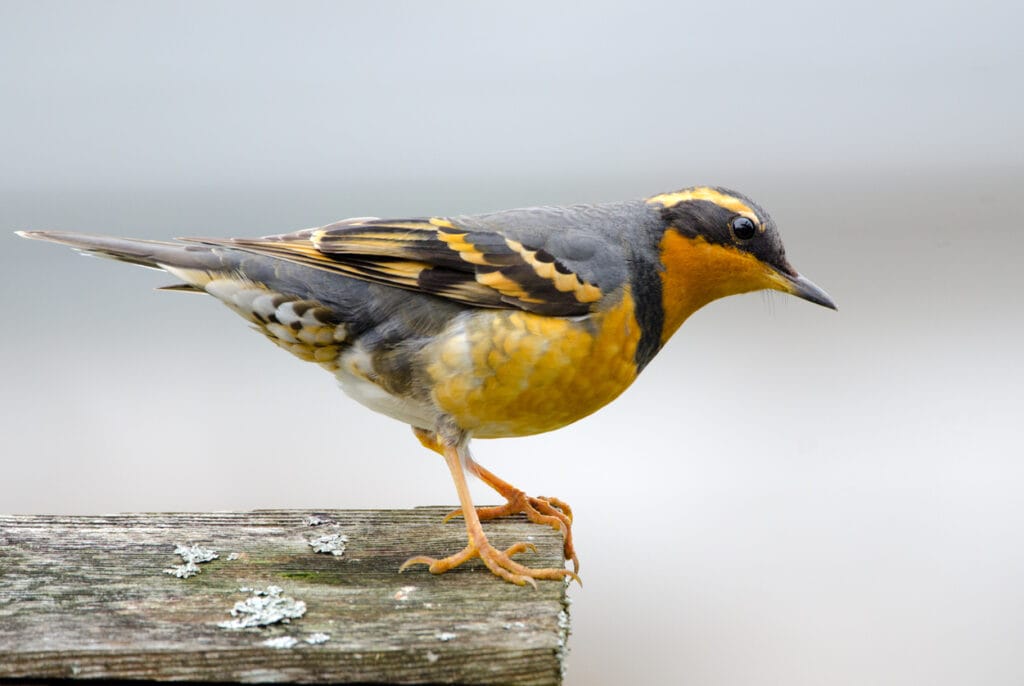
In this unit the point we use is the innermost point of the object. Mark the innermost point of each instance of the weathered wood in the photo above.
(87, 598)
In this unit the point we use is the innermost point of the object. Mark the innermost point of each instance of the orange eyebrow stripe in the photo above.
(703, 193)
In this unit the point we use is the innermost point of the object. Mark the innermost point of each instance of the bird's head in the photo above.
(716, 243)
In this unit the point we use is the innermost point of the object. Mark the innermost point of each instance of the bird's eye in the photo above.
(743, 228)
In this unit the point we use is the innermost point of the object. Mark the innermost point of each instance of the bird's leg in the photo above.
(540, 510)
(499, 562)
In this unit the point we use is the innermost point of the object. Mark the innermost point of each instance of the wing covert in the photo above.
(482, 268)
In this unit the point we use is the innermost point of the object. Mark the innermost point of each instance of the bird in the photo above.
(494, 325)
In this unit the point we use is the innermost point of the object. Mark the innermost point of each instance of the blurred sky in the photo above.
(787, 495)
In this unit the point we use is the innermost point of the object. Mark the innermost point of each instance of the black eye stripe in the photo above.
(743, 228)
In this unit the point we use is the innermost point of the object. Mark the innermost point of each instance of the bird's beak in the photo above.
(803, 287)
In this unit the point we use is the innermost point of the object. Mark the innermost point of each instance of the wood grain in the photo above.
(87, 598)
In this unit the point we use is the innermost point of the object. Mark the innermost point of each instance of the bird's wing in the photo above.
(472, 266)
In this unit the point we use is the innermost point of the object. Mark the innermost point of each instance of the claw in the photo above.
(418, 560)
(520, 547)
(560, 504)
(498, 561)
(452, 515)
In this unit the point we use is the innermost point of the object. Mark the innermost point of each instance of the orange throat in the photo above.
(697, 272)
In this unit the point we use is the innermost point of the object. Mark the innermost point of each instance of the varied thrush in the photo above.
(491, 325)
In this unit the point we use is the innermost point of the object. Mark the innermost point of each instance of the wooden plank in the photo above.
(87, 598)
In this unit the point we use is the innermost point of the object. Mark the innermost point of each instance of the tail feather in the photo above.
(181, 288)
(163, 255)
(134, 251)
(198, 265)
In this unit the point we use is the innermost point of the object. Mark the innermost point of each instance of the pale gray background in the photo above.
(836, 496)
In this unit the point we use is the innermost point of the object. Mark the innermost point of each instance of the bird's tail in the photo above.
(192, 263)
(153, 254)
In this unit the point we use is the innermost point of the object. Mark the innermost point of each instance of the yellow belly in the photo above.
(512, 373)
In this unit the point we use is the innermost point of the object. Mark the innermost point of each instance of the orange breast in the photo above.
(512, 373)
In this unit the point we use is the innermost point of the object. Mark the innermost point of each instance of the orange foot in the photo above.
(540, 510)
(498, 561)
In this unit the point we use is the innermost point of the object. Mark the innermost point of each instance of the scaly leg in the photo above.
(499, 562)
(540, 510)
